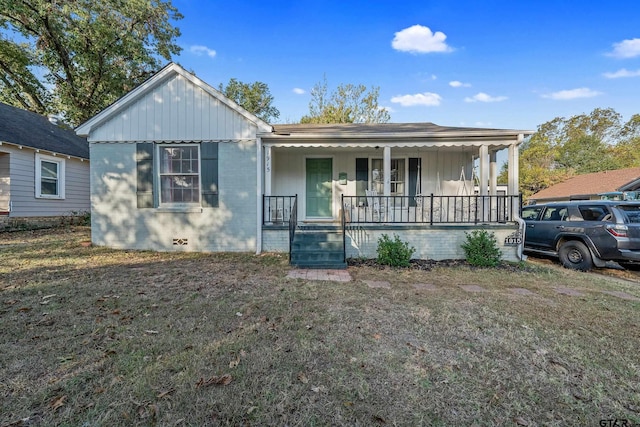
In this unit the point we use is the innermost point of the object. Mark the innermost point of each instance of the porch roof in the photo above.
(397, 134)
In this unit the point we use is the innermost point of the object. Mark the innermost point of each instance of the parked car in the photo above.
(584, 233)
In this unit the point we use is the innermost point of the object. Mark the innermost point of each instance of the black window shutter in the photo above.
(144, 175)
(209, 174)
(362, 178)
(414, 164)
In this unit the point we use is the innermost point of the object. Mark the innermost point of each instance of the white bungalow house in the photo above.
(178, 166)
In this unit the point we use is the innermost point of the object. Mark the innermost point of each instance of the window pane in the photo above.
(180, 189)
(48, 178)
(49, 170)
(49, 187)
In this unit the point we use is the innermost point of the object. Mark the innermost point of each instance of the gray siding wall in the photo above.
(5, 181)
(22, 186)
(117, 222)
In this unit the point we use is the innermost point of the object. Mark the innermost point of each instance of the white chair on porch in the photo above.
(373, 205)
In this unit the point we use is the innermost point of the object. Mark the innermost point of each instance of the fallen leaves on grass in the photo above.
(214, 380)
(303, 378)
(57, 402)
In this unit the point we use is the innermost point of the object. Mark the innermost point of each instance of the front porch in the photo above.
(435, 225)
(429, 184)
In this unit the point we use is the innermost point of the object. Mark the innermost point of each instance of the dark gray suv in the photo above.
(584, 233)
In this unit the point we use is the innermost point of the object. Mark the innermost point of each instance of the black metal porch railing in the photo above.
(277, 210)
(430, 209)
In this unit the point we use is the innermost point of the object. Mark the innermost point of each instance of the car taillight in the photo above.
(617, 230)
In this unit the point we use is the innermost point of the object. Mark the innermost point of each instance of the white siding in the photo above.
(288, 176)
(117, 222)
(22, 186)
(176, 110)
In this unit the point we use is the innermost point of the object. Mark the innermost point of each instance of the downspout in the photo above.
(259, 191)
(522, 225)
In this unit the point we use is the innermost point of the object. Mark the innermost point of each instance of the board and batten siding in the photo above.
(440, 171)
(117, 222)
(22, 186)
(176, 110)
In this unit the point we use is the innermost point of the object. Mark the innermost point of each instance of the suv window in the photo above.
(555, 213)
(531, 212)
(632, 212)
(593, 213)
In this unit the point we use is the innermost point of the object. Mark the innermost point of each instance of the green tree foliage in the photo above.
(348, 104)
(580, 144)
(75, 57)
(627, 151)
(255, 98)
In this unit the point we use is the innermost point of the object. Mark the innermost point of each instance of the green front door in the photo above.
(319, 194)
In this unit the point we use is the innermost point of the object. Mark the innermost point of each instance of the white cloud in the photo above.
(622, 73)
(626, 49)
(483, 97)
(298, 91)
(427, 98)
(483, 124)
(563, 95)
(420, 39)
(202, 50)
(456, 83)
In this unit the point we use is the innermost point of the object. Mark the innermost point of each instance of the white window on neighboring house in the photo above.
(179, 174)
(49, 177)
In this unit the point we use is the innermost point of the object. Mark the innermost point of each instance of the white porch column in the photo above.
(267, 170)
(493, 173)
(483, 157)
(259, 189)
(513, 167)
(386, 170)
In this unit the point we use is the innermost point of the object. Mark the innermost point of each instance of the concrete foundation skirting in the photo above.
(435, 242)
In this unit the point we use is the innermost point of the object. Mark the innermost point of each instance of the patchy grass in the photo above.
(92, 336)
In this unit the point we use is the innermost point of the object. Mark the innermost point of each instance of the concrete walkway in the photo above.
(344, 276)
(319, 274)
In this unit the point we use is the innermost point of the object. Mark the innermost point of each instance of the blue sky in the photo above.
(490, 63)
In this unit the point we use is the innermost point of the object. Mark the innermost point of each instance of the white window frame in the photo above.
(60, 179)
(405, 174)
(160, 174)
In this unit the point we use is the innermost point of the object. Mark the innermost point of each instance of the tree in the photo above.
(348, 104)
(256, 98)
(75, 57)
(627, 151)
(564, 147)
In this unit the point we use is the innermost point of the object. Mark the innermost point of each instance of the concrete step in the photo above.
(314, 248)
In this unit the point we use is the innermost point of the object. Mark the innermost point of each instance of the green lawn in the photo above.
(98, 337)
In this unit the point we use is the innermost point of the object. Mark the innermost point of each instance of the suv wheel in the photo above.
(575, 255)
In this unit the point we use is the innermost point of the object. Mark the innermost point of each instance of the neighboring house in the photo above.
(590, 186)
(44, 169)
(178, 166)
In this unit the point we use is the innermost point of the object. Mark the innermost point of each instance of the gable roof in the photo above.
(166, 73)
(24, 128)
(590, 184)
